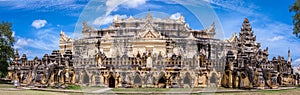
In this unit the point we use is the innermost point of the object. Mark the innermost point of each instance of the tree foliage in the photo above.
(6, 47)
(296, 18)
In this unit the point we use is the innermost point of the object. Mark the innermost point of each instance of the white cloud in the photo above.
(38, 23)
(44, 42)
(106, 19)
(21, 42)
(48, 4)
(134, 3)
(276, 38)
(112, 5)
(235, 5)
(175, 16)
(63, 7)
(296, 62)
(13, 34)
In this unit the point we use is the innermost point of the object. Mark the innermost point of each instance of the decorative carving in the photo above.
(132, 52)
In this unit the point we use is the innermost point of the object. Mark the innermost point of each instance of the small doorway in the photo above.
(111, 82)
(86, 78)
(186, 79)
(137, 81)
(162, 82)
(97, 79)
(213, 78)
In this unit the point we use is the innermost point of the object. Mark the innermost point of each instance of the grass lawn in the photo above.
(89, 89)
(32, 92)
(3, 91)
(6, 86)
(140, 89)
(157, 89)
(295, 91)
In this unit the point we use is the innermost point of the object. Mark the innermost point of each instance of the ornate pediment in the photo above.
(234, 38)
(64, 38)
(150, 34)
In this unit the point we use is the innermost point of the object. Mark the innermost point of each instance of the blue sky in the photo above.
(37, 23)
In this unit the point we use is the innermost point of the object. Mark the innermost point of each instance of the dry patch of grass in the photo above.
(6, 86)
(33, 92)
(153, 89)
(295, 91)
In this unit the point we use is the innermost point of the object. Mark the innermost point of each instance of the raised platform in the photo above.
(148, 91)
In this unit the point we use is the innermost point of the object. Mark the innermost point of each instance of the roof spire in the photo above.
(289, 55)
(149, 15)
(17, 52)
(61, 32)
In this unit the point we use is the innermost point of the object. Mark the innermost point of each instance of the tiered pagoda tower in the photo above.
(247, 38)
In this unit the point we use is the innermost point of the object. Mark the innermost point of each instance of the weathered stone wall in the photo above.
(52, 70)
(248, 66)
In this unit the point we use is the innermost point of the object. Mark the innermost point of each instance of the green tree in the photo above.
(6, 47)
(296, 18)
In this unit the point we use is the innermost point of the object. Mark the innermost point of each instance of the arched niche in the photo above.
(137, 80)
(187, 78)
(97, 80)
(111, 80)
(162, 80)
(85, 78)
(213, 78)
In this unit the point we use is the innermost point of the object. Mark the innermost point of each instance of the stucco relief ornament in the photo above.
(99, 59)
(149, 61)
(86, 27)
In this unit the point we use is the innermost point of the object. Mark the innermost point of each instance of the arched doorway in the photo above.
(111, 81)
(213, 78)
(86, 78)
(137, 81)
(162, 81)
(97, 79)
(187, 79)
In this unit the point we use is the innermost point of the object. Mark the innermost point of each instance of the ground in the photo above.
(8, 89)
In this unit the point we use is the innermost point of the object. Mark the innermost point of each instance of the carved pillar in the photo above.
(73, 77)
(230, 79)
(236, 81)
(93, 80)
(67, 76)
(61, 79)
(51, 79)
